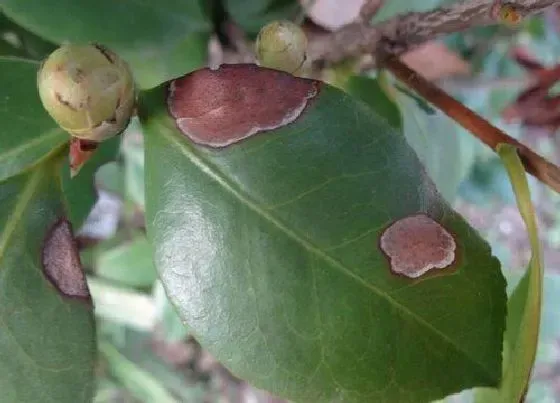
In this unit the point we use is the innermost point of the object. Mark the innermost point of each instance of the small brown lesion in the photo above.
(64, 102)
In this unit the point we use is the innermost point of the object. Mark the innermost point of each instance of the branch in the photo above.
(399, 34)
(490, 135)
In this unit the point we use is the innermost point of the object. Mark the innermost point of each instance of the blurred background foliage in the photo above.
(149, 355)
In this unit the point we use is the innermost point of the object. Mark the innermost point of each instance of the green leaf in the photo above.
(110, 178)
(28, 134)
(370, 91)
(524, 305)
(269, 250)
(444, 150)
(253, 15)
(136, 380)
(160, 40)
(23, 43)
(172, 328)
(132, 345)
(130, 263)
(133, 153)
(47, 345)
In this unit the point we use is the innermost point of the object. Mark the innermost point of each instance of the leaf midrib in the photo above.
(215, 174)
(49, 135)
(21, 204)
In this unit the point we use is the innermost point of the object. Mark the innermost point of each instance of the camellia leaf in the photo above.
(47, 343)
(524, 306)
(439, 143)
(24, 43)
(160, 40)
(28, 134)
(273, 246)
(130, 263)
(136, 380)
(253, 15)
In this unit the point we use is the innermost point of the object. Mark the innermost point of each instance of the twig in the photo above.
(399, 34)
(490, 135)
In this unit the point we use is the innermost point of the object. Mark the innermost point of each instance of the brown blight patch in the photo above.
(61, 262)
(417, 244)
(223, 106)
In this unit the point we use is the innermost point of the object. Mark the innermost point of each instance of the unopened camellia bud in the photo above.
(282, 45)
(88, 90)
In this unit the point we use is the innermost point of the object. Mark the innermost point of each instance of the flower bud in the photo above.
(282, 45)
(88, 90)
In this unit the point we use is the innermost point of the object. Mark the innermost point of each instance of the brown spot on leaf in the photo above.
(221, 107)
(417, 244)
(61, 262)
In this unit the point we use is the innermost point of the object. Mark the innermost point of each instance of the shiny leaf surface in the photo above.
(269, 249)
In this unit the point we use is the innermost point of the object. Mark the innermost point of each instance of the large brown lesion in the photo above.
(61, 262)
(224, 106)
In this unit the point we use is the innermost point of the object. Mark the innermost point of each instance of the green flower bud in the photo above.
(282, 45)
(88, 90)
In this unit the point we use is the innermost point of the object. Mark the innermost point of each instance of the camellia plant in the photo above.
(297, 227)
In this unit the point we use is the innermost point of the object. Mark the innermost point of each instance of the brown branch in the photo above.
(405, 31)
(490, 135)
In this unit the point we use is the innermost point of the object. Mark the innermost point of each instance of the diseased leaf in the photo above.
(28, 134)
(160, 40)
(269, 249)
(524, 305)
(47, 345)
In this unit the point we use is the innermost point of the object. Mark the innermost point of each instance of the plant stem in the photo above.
(490, 135)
